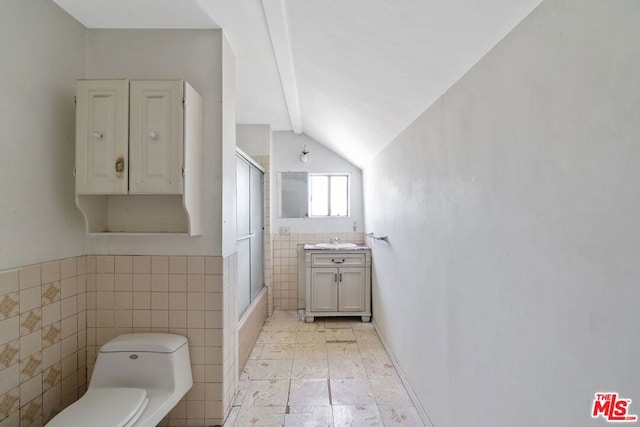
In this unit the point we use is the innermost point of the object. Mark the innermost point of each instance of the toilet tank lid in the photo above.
(154, 342)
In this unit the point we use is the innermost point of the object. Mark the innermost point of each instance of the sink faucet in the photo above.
(335, 240)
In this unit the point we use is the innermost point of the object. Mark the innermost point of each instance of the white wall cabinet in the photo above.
(338, 284)
(139, 156)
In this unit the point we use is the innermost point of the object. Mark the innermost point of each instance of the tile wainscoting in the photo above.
(42, 340)
(187, 295)
(55, 316)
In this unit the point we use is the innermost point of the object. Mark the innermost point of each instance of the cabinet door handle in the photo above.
(119, 165)
(340, 277)
(335, 277)
(337, 262)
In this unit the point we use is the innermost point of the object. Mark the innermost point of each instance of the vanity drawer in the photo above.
(337, 260)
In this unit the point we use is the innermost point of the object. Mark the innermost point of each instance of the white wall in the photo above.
(287, 147)
(42, 55)
(254, 140)
(509, 288)
(228, 149)
(192, 55)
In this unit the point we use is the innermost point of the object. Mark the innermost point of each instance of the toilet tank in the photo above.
(153, 361)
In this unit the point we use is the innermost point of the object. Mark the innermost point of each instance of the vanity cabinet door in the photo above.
(102, 134)
(351, 289)
(324, 289)
(156, 137)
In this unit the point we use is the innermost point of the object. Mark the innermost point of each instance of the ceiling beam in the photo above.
(276, 16)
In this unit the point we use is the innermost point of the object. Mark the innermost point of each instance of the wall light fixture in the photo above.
(304, 157)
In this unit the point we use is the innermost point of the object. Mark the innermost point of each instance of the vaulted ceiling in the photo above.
(351, 74)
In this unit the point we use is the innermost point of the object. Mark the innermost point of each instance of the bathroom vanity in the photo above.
(338, 281)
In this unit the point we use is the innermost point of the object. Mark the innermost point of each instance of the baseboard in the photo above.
(414, 399)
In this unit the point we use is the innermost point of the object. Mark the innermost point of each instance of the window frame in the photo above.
(329, 176)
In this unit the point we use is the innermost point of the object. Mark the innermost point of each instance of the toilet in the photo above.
(138, 378)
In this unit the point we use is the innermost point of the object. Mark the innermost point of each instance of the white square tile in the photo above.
(123, 300)
(159, 283)
(9, 378)
(178, 301)
(309, 393)
(177, 265)
(267, 416)
(50, 271)
(400, 416)
(351, 392)
(177, 282)
(160, 265)
(30, 299)
(159, 318)
(309, 416)
(141, 318)
(160, 301)
(105, 281)
(195, 283)
(105, 264)
(195, 265)
(123, 264)
(30, 276)
(195, 301)
(272, 370)
(141, 264)
(390, 391)
(9, 281)
(123, 282)
(356, 415)
(141, 300)
(68, 287)
(31, 389)
(310, 369)
(142, 282)
(177, 319)
(69, 306)
(349, 368)
(30, 344)
(267, 393)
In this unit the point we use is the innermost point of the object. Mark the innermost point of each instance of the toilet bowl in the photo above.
(138, 378)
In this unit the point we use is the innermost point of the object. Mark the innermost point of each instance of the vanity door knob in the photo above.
(153, 135)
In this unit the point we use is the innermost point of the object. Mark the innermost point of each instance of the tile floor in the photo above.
(333, 372)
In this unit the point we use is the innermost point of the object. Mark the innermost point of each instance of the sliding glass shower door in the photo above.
(250, 231)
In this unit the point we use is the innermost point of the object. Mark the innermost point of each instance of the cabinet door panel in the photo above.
(351, 291)
(102, 119)
(156, 137)
(324, 289)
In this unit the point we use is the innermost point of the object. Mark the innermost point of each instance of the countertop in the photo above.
(360, 247)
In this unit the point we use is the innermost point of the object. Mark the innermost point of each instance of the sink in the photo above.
(336, 245)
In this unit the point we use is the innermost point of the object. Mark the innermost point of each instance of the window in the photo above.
(328, 195)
